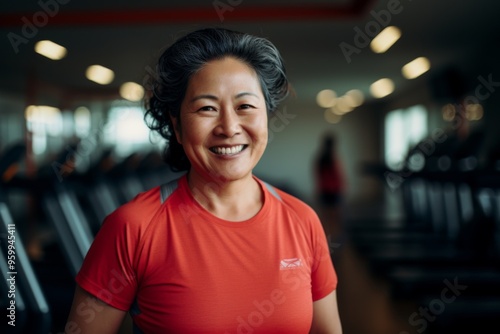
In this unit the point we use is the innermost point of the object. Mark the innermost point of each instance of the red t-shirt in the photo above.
(179, 269)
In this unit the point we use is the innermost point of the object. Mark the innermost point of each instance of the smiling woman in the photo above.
(187, 56)
(204, 253)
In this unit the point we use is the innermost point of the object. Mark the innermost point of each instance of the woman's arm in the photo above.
(326, 319)
(91, 315)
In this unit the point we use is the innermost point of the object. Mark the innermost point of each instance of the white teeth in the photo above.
(228, 150)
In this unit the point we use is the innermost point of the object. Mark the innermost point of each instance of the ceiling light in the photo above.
(385, 39)
(355, 97)
(34, 113)
(131, 91)
(416, 68)
(326, 98)
(344, 105)
(382, 88)
(100, 74)
(50, 50)
(331, 118)
(474, 112)
(335, 110)
(448, 111)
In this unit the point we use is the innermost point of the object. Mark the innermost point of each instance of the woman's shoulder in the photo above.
(289, 199)
(137, 211)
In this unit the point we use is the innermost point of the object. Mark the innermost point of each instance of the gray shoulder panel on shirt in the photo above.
(167, 189)
(273, 191)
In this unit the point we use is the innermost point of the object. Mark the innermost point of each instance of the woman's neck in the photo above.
(234, 200)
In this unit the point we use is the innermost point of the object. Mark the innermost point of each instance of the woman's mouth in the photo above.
(228, 150)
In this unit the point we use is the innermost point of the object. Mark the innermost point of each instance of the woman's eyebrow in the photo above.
(246, 93)
(204, 96)
(215, 98)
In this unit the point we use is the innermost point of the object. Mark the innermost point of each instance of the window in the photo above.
(404, 128)
(127, 131)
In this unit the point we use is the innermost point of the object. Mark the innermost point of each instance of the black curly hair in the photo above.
(190, 53)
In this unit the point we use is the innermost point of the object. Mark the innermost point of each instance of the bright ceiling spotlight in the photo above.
(385, 39)
(326, 98)
(131, 91)
(50, 50)
(100, 74)
(416, 68)
(355, 97)
(344, 105)
(382, 88)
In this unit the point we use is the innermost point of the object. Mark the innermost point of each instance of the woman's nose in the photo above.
(228, 124)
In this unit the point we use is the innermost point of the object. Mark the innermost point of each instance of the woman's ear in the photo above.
(177, 128)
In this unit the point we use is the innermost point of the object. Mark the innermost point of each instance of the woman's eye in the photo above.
(207, 108)
(246, 106)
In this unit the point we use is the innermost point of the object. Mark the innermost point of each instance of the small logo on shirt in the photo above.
(292, 263)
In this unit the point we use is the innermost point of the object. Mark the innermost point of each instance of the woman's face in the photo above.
(223, 121)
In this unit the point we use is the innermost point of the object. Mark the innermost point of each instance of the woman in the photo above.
(217, 250)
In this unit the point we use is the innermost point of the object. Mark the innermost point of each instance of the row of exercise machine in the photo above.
(445, 253)
(48, 221)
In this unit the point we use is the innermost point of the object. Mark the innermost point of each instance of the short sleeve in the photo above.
(107, 270)
(323, 276)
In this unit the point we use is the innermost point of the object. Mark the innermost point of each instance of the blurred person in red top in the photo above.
(330, 184)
